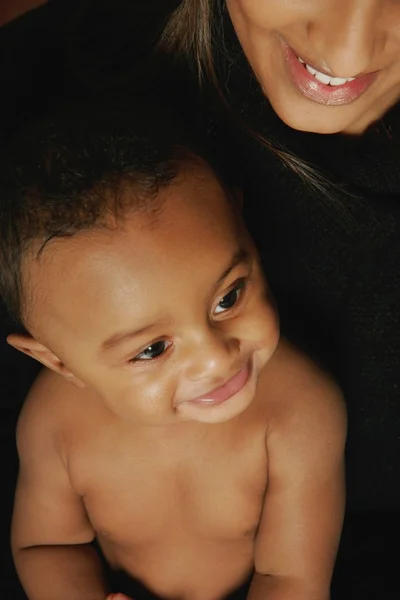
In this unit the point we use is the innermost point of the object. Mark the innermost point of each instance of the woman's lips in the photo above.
(321, 93)
(225, 391)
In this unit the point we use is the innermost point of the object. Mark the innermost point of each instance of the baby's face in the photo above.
(167, 316)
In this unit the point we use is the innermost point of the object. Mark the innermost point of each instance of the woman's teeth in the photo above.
(322, 78)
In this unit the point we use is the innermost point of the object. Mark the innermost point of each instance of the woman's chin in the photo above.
(305, 115)
(312, 119)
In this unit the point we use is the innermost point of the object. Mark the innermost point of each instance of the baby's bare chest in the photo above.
(136, 494)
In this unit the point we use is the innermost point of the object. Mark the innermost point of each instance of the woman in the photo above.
(334, 40)
(328, 228)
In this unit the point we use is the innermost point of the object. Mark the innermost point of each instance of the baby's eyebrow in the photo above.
(241, 256)
(117, 338)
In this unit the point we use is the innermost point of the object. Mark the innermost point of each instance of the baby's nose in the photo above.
(211, 357)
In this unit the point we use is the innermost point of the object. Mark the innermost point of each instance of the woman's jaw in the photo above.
(319, 101)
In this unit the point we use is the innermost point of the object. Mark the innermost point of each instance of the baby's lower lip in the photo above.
(227, 390)
(322, 93)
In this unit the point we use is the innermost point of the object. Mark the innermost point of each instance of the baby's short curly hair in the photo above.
(69, 172)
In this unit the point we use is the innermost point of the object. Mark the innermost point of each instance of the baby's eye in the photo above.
(153, 351)
(231, 298)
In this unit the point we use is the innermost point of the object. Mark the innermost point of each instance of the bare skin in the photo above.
(187, 496)
(341, 38)
(180, 508)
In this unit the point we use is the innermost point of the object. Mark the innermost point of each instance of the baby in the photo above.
(173, 446)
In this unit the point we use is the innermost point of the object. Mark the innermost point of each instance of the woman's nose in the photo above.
(210, 356)
(349, 38)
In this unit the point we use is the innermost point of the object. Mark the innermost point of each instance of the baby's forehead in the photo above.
(185, 201)
(181, 221)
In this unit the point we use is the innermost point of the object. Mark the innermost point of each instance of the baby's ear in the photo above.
(28, 345)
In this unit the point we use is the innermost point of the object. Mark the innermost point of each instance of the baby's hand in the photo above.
(118, 597)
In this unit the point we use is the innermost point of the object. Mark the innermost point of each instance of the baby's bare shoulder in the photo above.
(293, 386)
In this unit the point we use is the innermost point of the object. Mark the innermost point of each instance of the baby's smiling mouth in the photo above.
(231, 387)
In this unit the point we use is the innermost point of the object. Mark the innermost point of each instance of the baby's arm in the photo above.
(300, 528)
(51, 534)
